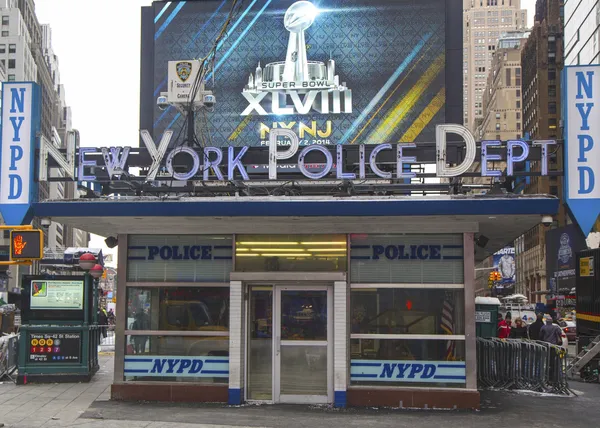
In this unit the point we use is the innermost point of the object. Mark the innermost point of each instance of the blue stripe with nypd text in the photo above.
(171, 366)
(408, 371)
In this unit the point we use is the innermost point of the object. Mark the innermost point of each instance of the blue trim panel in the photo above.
(339, 399)
(360, 258)
(235, 397)
(138, 360)
(337, 208)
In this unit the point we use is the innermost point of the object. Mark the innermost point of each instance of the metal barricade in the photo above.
(521, 364)
(9, 353)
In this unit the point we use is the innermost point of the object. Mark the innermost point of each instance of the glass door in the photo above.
(260, 344)
(303, 336)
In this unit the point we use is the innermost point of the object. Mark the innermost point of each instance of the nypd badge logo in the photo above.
(184, 69)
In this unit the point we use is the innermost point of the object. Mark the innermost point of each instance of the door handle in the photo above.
(278, 345)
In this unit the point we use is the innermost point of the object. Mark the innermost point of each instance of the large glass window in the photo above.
(407, 311)
(308, 253)
(178, 309)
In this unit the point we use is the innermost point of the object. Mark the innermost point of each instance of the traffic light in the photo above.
(495, 276)
(26, 245)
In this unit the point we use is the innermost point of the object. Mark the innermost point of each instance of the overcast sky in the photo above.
(98, 47)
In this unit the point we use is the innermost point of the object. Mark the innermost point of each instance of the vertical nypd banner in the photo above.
(20, 125)
(581, 104)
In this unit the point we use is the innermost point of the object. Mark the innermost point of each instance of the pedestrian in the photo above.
(504, 328)
(519, 331)
(534, 329)
(551, 333)
(102, 322)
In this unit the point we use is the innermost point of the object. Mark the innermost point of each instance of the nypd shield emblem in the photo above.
(184, 69)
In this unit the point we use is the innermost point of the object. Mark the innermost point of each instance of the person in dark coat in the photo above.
(551, 333)
(519, 331)
(102, 321)
(534, 329)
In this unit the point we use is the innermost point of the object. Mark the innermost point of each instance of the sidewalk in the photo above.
(87, 405)
(44, 405)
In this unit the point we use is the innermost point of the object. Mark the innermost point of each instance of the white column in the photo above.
(340, 342)
(121, 310)
(236, 343)
(470, 336)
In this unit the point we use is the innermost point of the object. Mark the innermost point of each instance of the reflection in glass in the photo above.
(407, 311)
(418, 350)
(260, 358)
(303, 370)
(304, 315)
(178, 308)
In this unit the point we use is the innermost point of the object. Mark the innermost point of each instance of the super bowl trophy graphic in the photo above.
(281, 82)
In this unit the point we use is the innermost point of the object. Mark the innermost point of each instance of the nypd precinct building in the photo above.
(297, 230)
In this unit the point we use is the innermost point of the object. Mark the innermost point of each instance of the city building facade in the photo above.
(26, 54)
(582, 34)
(542, 62)
(502, 99)
(484, 23)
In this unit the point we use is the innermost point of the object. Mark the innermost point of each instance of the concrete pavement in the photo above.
(87, 405)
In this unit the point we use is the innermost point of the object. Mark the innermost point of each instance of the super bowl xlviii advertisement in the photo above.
(333, 71)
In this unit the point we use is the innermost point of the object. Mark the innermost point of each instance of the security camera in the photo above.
(162, 102)
(209, 101)
(547, 220)
(46, 222)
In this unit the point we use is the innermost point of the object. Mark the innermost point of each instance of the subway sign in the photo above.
(408, 371)
(171, 366)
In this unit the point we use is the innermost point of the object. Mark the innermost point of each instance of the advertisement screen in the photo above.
(504, 263)
(333, 71)
(54, 294)
(562, 246)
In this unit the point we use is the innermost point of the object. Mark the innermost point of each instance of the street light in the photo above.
(96, 271)
(87, 261)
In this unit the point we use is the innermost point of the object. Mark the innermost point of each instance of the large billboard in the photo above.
(562, 246)
(333, 71)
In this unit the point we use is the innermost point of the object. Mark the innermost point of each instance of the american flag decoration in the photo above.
(447, 324)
